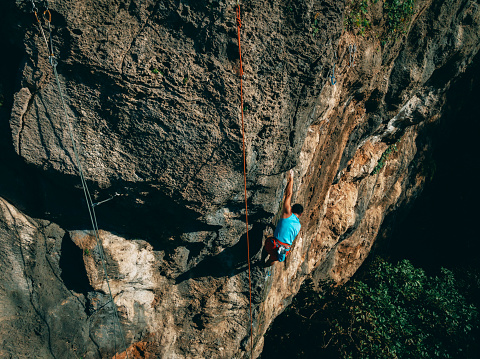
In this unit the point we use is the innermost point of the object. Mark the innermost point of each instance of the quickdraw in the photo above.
(352, 49)
(47, 15)
(333, 81)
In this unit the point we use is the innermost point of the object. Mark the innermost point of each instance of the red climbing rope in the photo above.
(239, 25)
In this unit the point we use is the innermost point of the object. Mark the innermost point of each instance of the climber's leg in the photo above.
(269, 249)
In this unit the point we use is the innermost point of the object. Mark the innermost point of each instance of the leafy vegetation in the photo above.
(398, 14)
(157, 71)
(383, 159)
(392, 311)
(356, 17)
(315, 26)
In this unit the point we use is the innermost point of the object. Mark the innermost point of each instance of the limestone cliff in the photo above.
(152, 89)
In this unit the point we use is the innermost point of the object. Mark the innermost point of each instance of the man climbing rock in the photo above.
(278, 246)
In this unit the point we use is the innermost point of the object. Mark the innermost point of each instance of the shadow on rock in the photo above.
(232, 260)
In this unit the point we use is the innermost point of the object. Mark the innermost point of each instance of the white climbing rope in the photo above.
(88, 197)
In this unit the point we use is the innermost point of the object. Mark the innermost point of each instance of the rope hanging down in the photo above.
(239, 25)
(88, 197)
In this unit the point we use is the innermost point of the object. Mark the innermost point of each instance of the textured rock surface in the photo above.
(152, 89)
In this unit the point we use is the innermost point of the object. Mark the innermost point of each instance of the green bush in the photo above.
(383, 159)
(357, 16)
(393, 311)
(398, 13)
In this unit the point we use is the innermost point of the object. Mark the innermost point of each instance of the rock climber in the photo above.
(278, 246)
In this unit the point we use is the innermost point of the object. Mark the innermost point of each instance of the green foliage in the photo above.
(86, 251)
(315, 26)
(468, 282)
(399, 312)
(357, 16)
(398, 13)
(393, 311)
(185, 80)
(156, 71)
(383, 159)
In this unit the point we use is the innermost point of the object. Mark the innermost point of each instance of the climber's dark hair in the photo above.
(297, 208)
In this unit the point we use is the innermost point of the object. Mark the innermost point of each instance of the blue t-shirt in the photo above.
(287, 229)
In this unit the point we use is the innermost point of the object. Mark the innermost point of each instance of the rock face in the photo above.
(152, 91)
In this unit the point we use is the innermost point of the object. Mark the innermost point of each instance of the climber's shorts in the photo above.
(271, 246)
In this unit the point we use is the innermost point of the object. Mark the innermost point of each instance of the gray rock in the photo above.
(152, 94)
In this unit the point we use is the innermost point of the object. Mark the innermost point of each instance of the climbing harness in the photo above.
(352, 49)
(282, 253)
(239, 25)
(282, 249)
(90, 205)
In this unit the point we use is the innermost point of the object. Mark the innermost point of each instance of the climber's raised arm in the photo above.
(287, 202)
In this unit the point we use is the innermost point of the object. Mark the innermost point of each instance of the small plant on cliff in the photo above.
(357, 16)
(391, 311)
(383, 159)
(315, 26)
(398, 14)
(157, 71)
(86, 251)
